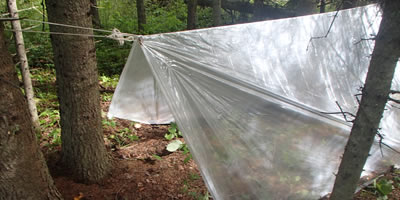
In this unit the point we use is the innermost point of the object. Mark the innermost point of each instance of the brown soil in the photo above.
(137, 172)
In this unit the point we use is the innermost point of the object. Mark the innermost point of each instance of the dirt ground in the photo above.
(144, 169)
(137, 173)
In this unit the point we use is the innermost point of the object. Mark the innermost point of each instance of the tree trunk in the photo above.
(192, 12)
(95, 14)
(258, 9)
(23, 170)
(216, 6)
(141, 12)
(322, 6)
(26, 76)
(375, 94)
(349, 4)
(83, 149)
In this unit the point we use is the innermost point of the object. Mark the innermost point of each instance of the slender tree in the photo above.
(374, 97)
(349, 4)
(216, 10)
(26, 76)
(258, 9)
(95, 14)
(322, 5)
(23, 170)
(192, 12)
(83, 149)
(141, 12)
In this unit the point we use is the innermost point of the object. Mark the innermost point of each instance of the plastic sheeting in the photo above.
(250, 100)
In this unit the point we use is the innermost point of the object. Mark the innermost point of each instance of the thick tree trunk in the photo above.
(192, 12)
(95, 14)
(83, 149)
(216, 10)
(141, 12)
(375, 94)
(23, 171)
(26, 76)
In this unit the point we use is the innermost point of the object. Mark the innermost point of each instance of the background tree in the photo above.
(24, 66)
(83, 149)
(216, 10)
(23, 170)
(374, 97)
(191, 19)
(141, 14)
(95, 14)
(349, 4)
(258, 9)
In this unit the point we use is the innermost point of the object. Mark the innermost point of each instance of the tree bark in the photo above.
(192, 12)
(95, 14)
(216, 11)
(83, 149)
(141, 12)
(26, 76)
(375, 94)
(23, 170)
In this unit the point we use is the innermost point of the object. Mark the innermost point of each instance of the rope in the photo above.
(115, 33)
(67, 25)
(25, 9)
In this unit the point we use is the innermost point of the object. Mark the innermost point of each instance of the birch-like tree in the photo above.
(24, 66)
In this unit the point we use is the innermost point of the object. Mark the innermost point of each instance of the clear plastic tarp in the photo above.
(251, 100)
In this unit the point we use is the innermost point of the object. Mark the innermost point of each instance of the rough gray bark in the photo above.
(192, 12)
(23, 171)
(216, 11)
(141, 12)
(374, 97)
(95, 14)
(26, 76)
(83, 149)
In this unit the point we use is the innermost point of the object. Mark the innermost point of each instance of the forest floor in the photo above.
(142, 167)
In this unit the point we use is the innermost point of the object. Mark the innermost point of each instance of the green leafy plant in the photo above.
(173, 132)
(384, 187)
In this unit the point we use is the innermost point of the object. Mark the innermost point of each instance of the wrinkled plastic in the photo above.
(251, 100)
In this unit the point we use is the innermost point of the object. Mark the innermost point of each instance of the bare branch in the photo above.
(394, 100)
(329, 29)
(342, 113)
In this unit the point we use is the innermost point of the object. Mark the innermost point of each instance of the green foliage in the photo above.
(111, 57)
(123, 136)
(173, 132)
(108, 122)
(384, 187)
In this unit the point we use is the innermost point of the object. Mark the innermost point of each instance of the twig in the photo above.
(341, 112)
(329, 29)
(394, 100)
(363, 39)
